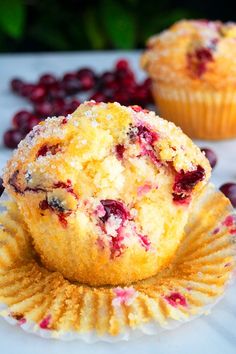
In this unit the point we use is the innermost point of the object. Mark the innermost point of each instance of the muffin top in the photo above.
(198, 53)
(91, 147)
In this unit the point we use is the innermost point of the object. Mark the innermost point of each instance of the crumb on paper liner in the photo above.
(46, 304)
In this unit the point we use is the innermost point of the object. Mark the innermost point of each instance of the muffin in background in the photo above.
(193, 69)
(106, 192)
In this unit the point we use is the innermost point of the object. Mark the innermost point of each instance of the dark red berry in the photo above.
(198, 60)
(85, 72)
(120, 149)
(38, 94)
(32, 122)
(147, 83)
(71, 84)
(124, 74)
(122, 64)
(44, 109)
(47, 79)
(72, 105)
(24, 121)
(87, 83)
(43, 204)
(20, 119)
(56, 91)
(106, 78)
(140, 96)
(12, 137)
(58, 106)
(108, 94)
(1, 186)
(185, 182)
(26, 90)
(52, 149)
(210, 155)
(98, 97)
(87, 78)
(16, 85)
(229, 190)
(122, 97)
(148, 135)
(116, 208)
(127, 82)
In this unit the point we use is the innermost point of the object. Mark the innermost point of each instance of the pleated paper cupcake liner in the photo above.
(44, 303)
(201, 114)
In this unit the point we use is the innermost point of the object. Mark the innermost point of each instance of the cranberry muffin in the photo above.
(193, 69)
(106, 192)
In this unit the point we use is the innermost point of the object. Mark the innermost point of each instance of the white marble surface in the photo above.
(215, 333)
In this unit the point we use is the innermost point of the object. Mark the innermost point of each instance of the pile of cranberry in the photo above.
(52, 96)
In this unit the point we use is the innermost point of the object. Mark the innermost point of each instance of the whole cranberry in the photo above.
(74, 104)
(122, 97)
(120, 149)
(122, 64)
(58, 106)
(85, 72)
(210, 155)
(16, 85)
(87, 78)
(12, 137)
(69, 76)
(71, 84)
(32, 121)
(98, 97)
(147, 134)
(127, 81)
(147, 83)
(1, 186)
(109, 94)
(56, 91)
(124, 74)
(26, 90)
(71, 106)
(116, 208)
(140, 96)
(20, 119)
(47, 80)
(108, 81)
(87, 83)
(229, 190)
(38, 94)
(107, 77)
(43, 109)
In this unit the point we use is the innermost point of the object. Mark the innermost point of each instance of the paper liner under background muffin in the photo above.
(193, 71)
(201, 114)
(46, 304)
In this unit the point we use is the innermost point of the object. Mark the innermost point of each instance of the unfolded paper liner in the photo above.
(201, 114)
(46, 304)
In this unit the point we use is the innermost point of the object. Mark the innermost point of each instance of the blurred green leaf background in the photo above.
(59, 25)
